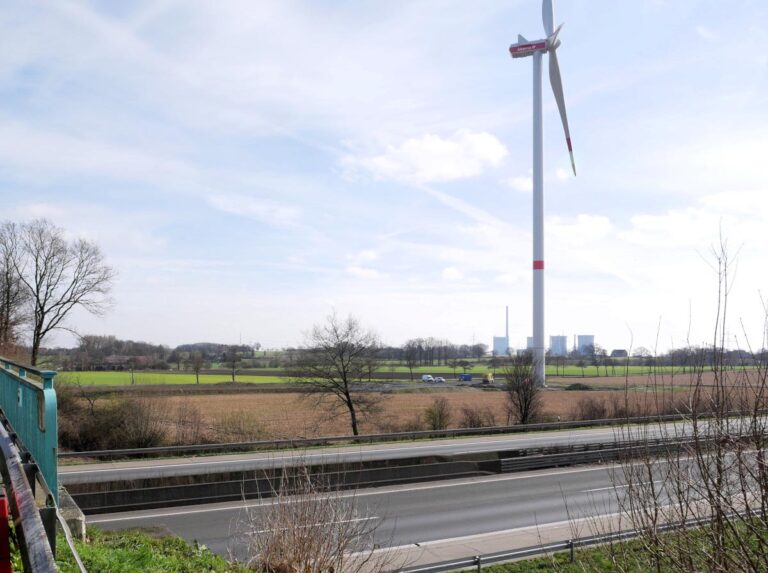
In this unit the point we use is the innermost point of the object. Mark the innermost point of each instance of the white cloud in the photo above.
(364, 272)
(36, 153)
(120, 232)
(581, 230)
(364, 256)
(432, 159)
(522, 184)
(269, 212)
(707, 33)
(452, 274)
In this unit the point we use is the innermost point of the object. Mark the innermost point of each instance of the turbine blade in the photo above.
(521, 39)
(548, 16)
(557, 89)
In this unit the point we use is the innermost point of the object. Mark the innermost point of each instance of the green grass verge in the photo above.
(594, 561)
(631, 555)
(133, 551)
(742, 545)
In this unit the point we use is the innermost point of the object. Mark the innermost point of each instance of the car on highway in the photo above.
(427, 378)
(439, 380)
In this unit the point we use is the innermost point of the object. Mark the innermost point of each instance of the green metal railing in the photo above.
(28, 401)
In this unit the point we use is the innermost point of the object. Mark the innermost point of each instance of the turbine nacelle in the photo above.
(524, 48)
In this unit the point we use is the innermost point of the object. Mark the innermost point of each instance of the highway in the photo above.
(415, 513)
(143, 469)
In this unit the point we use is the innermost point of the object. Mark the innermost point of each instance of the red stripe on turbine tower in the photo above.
(538, 265)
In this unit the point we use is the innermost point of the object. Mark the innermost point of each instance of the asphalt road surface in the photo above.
(410, 514)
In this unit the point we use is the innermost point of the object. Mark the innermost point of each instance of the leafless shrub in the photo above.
(142, 421)
(477, 417)
(239, 426)
(307, 528)
(720, 473)
(116, 424)
(390, 425)
(189, 425)
(438, 415)
(414, 424)
(590, 408)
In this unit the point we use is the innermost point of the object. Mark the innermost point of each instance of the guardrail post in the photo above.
(48, 417)
(48, 517)
(30, 470)
(478, 562)
(571, 550)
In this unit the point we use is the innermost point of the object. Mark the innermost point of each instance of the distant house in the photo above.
(619, 353)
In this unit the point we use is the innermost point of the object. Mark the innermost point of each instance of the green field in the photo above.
(124, 378)
(90, 378)
(570, 370)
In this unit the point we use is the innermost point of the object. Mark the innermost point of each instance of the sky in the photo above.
(249, 167)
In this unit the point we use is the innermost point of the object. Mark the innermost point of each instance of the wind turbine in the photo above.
(524, 48)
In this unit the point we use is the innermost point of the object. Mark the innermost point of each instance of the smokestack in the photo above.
(507, 326)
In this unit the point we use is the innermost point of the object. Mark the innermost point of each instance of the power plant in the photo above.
(501, 343)
(558, 345)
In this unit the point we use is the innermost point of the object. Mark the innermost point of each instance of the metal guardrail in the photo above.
(34, 538)
(368, 438)
(571, 545)
(28, 401)
(574, 454)
(256, 485)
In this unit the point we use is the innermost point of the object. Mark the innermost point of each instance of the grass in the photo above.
(631, 555)
(742, 545)
(90, 378)
(552, 370)
(123, 378)
(131, 551)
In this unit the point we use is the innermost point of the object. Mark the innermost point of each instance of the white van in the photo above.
(427, 378)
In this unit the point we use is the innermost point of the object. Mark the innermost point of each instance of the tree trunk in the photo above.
(35, 350)
(352, 415)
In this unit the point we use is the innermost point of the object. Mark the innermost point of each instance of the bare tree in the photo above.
(13, 296)
(58, 275)
(196, 362)
(232, 359)
(337, 358)
(523, 394)
(411, 355)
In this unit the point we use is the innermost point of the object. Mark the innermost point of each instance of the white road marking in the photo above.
(614, 487)
(464, 538)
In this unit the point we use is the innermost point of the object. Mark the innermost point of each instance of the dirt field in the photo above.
(289, 415)
(244, 412)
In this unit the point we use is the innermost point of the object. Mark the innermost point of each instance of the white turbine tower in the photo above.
(522, 49)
